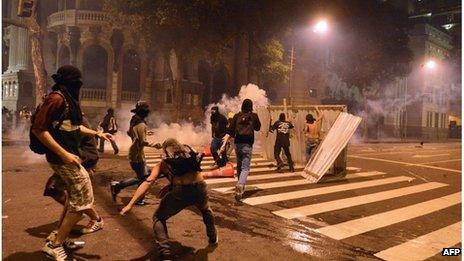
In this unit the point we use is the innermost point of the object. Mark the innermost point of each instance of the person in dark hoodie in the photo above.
(57, 125)
(218, 131)
(138, 133)
(242, 128)
(109, 125)
(282, 141)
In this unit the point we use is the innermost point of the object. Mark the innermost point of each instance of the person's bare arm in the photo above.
(46, 138)
(142, 189)
(319, 115)
(89, 132)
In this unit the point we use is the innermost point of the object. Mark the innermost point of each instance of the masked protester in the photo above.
(181, 165)
(242, 128)
(312, 133)
(57, 125)
(218, 131)
(282, 141)
(109, 125)
(138, 133)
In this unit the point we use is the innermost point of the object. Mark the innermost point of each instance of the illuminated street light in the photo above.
(431, 64)
(321, 27)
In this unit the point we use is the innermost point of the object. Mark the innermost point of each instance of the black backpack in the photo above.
(34, 143)
(244, 124)
(182, 162)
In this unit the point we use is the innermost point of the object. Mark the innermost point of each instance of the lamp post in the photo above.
(321, 27)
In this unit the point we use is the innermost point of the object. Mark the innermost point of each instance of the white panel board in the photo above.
(331, 146)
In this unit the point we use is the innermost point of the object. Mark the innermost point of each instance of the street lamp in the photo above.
(321, 27)
(431, 64)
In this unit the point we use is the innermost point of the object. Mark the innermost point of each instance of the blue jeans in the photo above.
(243, 152)
(141, 171)
(310, 148)
(220, 160)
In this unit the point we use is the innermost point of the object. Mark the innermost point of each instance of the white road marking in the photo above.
(424, 246)
(353, 169)
(289, 183)
(441, 161)
(252, 177)
(430, 156)
(365, 224)
(313, 209)
(406, 163)
(402, 151)
(321, 191)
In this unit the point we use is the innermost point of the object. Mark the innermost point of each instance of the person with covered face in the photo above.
(109, 125)
(138, 134)
(58, 127)
(312, 133)
(282, 141)
(218, 131)
(181, 165)
(242, 128)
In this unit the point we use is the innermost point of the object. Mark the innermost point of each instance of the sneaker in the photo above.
(292, 169)
(93, 226)
(55, 252)
(114, 190)
(52, 236)
(116, 151)
(73, 245)
(141, 203)
(239, 190)
(214, 242)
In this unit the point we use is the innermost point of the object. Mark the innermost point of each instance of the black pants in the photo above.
(180, 197)
(277, 149)
(113, 144)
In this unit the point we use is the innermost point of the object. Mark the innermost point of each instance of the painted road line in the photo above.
(365, 224)
(253, 177)
(405, 163)
(289, 183)
(402, 151)
(323, 190)
(441, 161)
(424, 246)
(313, 209)
(430, 156)
(353, 169)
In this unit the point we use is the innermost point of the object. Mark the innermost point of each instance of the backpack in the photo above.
(244, 125)
(34, 143)
(183, 162)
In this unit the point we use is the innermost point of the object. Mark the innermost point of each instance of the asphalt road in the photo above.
(394, 194)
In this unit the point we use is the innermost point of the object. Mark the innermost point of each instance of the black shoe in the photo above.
(214, 241)
(114, 190)
(116, 151)
(141, 203)
(292, 169)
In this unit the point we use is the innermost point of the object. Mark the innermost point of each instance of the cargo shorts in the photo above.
(78, 185)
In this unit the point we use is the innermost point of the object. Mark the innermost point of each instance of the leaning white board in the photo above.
(332, 145)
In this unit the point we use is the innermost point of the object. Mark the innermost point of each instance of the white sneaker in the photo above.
(93, 226)
(55, 252)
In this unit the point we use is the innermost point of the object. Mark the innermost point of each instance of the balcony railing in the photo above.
(93, 94)
(77, 17)
(130, 96)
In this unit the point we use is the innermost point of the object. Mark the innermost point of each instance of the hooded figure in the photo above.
(68, 82)
(282, 141)
(218, 131)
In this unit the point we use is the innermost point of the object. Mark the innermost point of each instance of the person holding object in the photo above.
(109, 125)
(181, 165)
(218, 131)
(282, 141)
(138, 133)
(242, 128)
(312, 132)
(57, 131)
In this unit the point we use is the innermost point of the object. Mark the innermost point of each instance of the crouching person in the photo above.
(181, 165)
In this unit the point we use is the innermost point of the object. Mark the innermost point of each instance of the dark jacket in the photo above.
(248, 139)
(218, 125)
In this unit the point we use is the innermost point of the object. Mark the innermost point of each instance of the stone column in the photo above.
(24, 52)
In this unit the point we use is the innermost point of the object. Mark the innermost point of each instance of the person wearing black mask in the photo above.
(58, 127)
(282, 141)
(138, 133)
(242, 128)
(218, 131)
(109, 125)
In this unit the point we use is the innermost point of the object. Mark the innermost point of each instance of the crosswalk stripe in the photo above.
(321, 191)
(255, 177)
(290, 183)
(313, 209)
(424, 246)
(353, 169)
(365, 224)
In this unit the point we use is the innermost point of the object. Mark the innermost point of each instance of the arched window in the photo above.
(204, 76)
(131, 71)
(95, 67)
